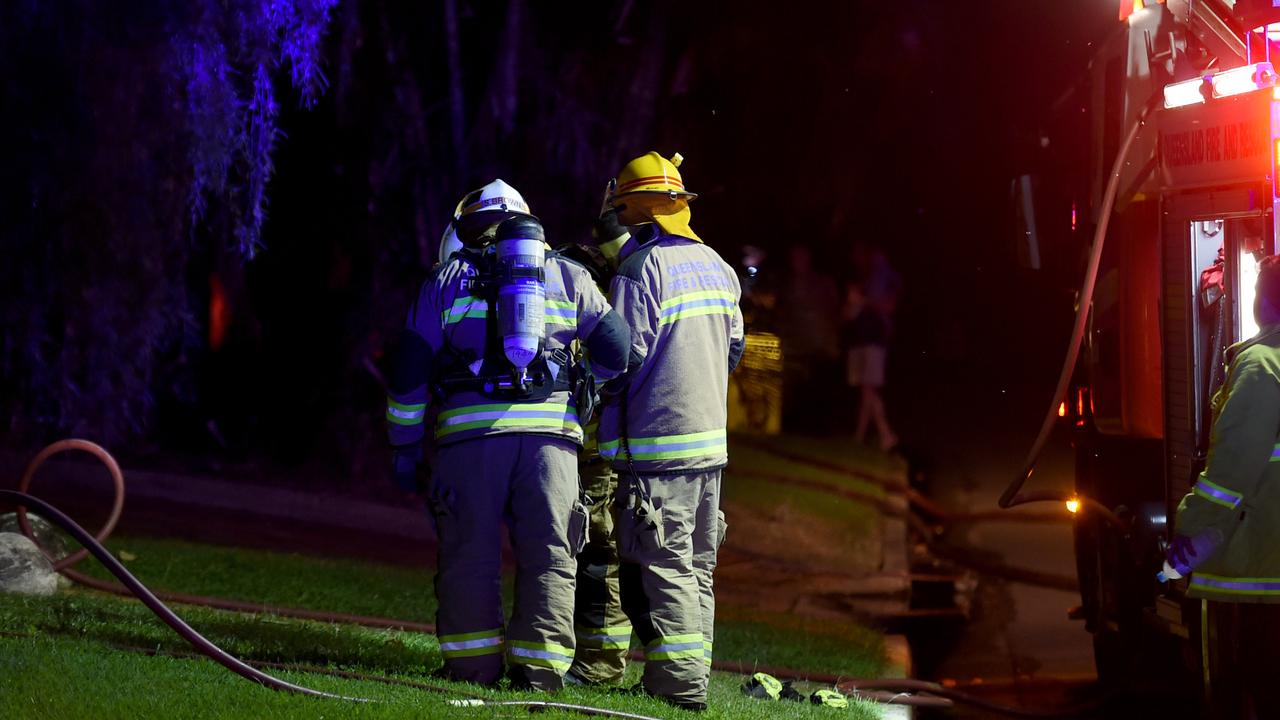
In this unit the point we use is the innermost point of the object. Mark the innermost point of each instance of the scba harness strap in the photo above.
(492, 374)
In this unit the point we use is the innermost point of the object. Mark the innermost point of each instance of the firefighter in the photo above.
(486, 341)
(665, 429)
(602, 629)
(1228, 526)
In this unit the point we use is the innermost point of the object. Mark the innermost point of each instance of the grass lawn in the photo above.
(806, 526)
(62, 657)
(68, 656)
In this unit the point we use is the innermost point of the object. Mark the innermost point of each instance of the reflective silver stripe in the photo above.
(676, 647)
(406, 414)
(540, 654)
(533, 412)
(471, 644)
(615, 638)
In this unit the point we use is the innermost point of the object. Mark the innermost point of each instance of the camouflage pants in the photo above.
(603, 630)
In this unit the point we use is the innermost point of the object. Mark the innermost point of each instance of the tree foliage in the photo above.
(150, 138)
(133, 121)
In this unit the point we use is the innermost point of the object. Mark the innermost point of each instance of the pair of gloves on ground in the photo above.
(763, 686)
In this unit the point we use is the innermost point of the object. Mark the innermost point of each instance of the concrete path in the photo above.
(1019, 637)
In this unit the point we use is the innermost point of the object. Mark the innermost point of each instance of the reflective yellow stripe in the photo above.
(460, 645)
(550, 655)
(667, 447)
(675, 647)
(550, 416)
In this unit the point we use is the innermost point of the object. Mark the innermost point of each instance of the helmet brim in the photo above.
(472, 227)
(673, 194)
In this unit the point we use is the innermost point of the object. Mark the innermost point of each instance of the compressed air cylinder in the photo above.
(522, 295)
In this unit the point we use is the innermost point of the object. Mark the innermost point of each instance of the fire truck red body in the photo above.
(1195, 210)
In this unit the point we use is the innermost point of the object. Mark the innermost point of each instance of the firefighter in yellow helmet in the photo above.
(664, 431)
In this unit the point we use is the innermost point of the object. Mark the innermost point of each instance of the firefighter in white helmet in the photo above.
(487, 341)
(665, 433)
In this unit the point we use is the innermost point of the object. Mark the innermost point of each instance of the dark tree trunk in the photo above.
(457, 111)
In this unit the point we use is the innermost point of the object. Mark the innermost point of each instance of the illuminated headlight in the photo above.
(1183, 93)
(1243, 79)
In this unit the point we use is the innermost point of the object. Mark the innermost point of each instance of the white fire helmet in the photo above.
(482, 209)
(449, 243)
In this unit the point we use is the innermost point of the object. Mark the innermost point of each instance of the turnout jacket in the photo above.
(1239, 491)
(681, 302)
(446, 315)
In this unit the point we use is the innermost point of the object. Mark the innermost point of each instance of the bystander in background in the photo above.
(870, 301)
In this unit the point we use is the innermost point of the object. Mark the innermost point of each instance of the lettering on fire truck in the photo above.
(1217, 143)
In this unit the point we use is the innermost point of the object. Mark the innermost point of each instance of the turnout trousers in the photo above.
(1244, 652)
(602, 629)
(531, 481)
(670, 528)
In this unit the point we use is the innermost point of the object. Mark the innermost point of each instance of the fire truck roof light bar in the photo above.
(1243, 79)
(1224, 84)
(1181, 94)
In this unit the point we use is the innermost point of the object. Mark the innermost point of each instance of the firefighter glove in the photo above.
(405, 462)
(1181, 552)
(763, 686)
(607, 227)
(830, 698)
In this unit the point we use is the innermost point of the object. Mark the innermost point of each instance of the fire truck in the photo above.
(1195, 208)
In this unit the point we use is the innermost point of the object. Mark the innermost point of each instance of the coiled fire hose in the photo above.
(132, 586)
(916, 693)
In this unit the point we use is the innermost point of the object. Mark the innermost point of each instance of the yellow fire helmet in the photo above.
(652, 173)
(650, 190)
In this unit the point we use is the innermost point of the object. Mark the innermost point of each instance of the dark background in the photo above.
(303, 158)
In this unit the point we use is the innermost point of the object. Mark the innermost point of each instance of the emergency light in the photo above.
(1181, 94)
(1224, 84)
(1243, 79)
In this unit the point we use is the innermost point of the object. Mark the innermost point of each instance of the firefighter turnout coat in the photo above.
(665, 434)
(1238, 494)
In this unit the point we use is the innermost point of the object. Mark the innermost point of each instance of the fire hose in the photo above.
(1013, 494)
(132, 586)
(916, 693)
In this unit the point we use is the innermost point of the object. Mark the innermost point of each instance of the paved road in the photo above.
(1019, 637)
(1019, 631)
